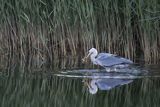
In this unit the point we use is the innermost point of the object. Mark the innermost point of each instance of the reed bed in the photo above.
(46, 29)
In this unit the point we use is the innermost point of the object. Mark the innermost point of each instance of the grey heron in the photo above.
(107, 60)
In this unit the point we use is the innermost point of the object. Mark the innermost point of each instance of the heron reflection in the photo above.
(104, 84)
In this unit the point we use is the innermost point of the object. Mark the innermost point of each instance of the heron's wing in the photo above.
(107, 84)
(104, 55)
(110, 60)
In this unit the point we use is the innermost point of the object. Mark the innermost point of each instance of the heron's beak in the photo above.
(84, 59)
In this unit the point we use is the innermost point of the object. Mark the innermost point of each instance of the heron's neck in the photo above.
(93, 57)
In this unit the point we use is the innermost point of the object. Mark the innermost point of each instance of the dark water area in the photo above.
(68, 84)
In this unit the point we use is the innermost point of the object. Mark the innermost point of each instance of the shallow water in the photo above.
(65, 86)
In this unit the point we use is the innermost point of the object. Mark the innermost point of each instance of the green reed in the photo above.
(43, 30)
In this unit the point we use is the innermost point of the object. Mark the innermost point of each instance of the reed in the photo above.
(46, 29)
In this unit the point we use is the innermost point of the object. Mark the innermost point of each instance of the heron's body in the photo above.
(108, 60)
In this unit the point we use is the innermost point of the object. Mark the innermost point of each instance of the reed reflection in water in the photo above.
(22, 90)
(43, 89)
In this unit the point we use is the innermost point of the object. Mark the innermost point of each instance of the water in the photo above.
(65, 85)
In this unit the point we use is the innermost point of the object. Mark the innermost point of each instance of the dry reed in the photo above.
(43, 30)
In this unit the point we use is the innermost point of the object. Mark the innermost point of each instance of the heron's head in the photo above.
(92, 52)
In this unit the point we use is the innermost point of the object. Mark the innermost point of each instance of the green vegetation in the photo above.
(45, 29)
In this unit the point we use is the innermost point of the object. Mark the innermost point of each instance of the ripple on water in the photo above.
(129, 73)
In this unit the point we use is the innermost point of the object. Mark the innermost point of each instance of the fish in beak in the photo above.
(85, 58)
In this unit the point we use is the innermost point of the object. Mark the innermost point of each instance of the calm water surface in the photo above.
(65, 85)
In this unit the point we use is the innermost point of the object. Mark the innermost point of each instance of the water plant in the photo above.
(43, 30)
